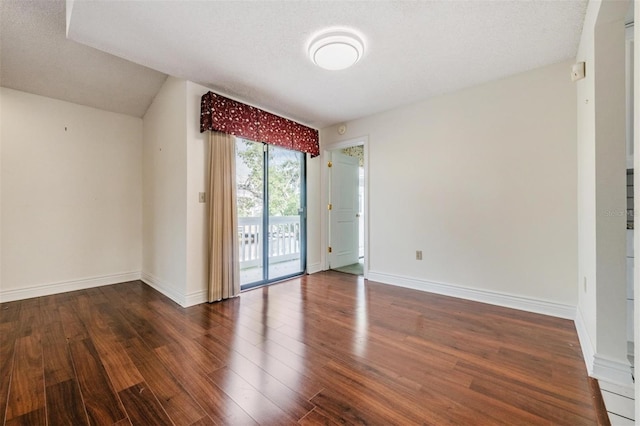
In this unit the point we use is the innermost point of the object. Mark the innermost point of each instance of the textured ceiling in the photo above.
(257, 51)
(36, 57)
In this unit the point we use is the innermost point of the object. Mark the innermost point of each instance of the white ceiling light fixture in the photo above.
(336, 49)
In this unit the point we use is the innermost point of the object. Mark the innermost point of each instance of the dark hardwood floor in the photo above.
(328, 348)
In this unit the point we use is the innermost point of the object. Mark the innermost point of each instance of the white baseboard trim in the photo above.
(485, 296)
(588, 351)
(612, 371)
(164, 288)
(598, 366)
(195, 298)
(65, 286)
(314, 267)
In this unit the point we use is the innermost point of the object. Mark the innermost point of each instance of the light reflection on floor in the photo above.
(362, 320)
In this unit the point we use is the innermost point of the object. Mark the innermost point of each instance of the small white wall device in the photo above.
(577, 71)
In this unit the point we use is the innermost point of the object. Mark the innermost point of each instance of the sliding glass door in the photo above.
(271, 212)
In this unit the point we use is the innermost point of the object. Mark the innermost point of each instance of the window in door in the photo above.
(271, 212)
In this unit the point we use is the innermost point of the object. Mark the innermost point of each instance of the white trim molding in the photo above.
(195, 298)
(164, 288)
(314, 267)
(65, 286)
(493, 298)
(612, 371)
(598, 366)
(588, 351)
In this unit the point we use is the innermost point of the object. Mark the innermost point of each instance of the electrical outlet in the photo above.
(202, 197)
(418, 254)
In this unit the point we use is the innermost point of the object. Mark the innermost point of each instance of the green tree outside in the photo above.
(284, 180)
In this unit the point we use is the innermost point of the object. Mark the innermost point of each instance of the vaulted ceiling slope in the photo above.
(256, 51)
(36, 57)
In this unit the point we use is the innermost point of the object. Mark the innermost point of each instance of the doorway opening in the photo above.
(346, 209)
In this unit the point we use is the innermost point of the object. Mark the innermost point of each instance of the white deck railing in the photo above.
(284, 240)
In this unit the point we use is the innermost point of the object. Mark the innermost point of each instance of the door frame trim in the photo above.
(324, 199)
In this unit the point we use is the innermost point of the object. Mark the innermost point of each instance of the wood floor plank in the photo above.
(408, 405)
(471, 407)
(473, 358)
(303, 364)
(307, 384)
(64, 404)
(121, 370)
(102, 404)
(73, 327)
(346, 410)
(328, 348)
(314, 418)
(58, 366)
(205, 421)
(10, 311)
(143, 322)
(219, 406)
(253, 401)
(142, 406)
(199, 315)
(176, 401)
(177, 322)
(30, 318)
(26, 393)
(7, 347)
(556, 406)
(286, 399)
(49, 307)
(598, 403)
(224, 318)
(112, 312)
(36, 417)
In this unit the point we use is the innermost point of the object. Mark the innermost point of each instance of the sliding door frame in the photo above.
(266, 222)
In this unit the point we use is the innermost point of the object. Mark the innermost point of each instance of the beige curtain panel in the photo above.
(224, 266)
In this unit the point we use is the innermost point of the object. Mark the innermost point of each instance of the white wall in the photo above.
(164, 170)
(175, 172)
(483, 181)
(2, 297)
(71, 196)
(611, 190)
(197, 145)
(601, 320)
(587, 182)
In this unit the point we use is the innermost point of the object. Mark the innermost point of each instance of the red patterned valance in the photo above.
(235, 118)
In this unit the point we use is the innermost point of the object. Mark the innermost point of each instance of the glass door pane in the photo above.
(271, 217)
(250, 194)
(285, 197)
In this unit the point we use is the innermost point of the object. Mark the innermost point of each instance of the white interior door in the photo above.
(343, 216)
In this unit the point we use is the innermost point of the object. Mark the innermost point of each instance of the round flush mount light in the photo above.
(336, 50)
